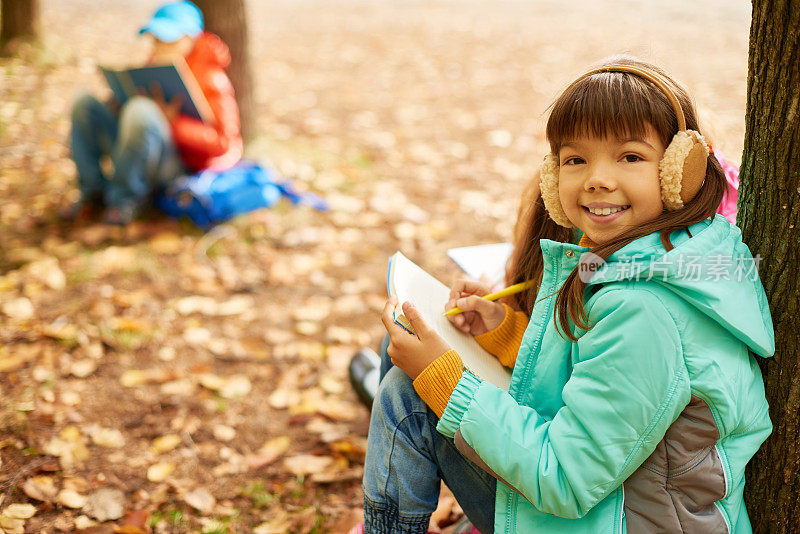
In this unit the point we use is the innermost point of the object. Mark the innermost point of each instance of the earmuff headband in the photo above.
(657, 80)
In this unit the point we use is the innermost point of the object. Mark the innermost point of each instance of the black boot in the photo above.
(364, 372)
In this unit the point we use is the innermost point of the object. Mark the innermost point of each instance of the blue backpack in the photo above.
(212, 197)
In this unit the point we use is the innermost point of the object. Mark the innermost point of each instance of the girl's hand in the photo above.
(480, 315)
(411, 353)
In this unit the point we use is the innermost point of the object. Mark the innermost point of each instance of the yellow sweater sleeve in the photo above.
(436, 382)
(505, 340)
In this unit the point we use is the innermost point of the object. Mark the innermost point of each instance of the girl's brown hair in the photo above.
(620, 105)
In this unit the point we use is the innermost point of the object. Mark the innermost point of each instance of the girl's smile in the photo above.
(603, 212)
(609, 185)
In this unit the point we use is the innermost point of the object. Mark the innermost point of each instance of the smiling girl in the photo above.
(635, 400)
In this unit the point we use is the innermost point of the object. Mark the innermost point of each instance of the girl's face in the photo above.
(609, 185)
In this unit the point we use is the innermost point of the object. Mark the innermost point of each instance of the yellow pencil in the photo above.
(510, 290)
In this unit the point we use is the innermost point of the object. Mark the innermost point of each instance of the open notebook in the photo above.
(408, 282)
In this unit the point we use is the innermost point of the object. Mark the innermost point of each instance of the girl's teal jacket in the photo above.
(646, 423)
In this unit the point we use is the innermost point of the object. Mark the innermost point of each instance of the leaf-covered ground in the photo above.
(157, 378)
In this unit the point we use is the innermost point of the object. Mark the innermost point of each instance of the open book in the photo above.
(408, 282)
(175, 80)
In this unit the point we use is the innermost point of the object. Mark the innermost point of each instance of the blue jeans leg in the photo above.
(93, 134)
(406, 460)
(144, 155)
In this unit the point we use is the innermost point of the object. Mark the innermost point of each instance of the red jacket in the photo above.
(217, 145)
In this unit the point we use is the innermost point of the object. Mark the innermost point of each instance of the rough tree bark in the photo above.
(769, 215)
(19, 20)
(228, 19)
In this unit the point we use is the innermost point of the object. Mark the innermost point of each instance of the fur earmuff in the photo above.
(682, 169)
(548, 186)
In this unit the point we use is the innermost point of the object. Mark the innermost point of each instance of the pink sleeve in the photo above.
(727, 207)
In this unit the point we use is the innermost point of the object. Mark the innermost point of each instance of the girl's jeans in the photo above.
(406, 460)
(139, 143)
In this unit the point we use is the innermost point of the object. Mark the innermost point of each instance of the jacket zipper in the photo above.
(512, 496)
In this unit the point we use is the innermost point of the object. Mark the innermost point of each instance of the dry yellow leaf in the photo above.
(133, 377)
(108, 437)
(41, 488)
(306, 464)
(129, 324)
(71, 499)
(164, 443)
(19, 308)
(71, 433)
(160, 472)
(20, 511)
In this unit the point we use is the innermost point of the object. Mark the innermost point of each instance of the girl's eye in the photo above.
(574, 160)
(631, 158)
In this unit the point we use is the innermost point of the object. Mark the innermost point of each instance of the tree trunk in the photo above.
(769, 215)
(19, 20)
(227, 18)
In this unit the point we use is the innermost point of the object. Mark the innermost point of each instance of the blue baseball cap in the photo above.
(173, 20)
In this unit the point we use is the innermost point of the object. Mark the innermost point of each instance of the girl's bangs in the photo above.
(605, 105)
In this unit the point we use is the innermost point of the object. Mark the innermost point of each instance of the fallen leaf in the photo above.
(269, 452)
(211, 381)
(183, 387)
(105, 504)
(12, 525)
(279, 525)
(10, 361)
(196, 304)
(166, 354)
(160, 471)
(130, 324)
(19, 308)
(71, 499)
(133, 377)
(48, 272)
(20, 511)
(108, 437)
(281, 399)
(82, 368)
(164, 443)
(41, 488)
(236, 386)
(236, 305)
(337, 475)
(306, 464)
(224, 432)
(307, 328)
(331, 385)
(196, 336)
(201, 499)
(135, 519)
(83, 523)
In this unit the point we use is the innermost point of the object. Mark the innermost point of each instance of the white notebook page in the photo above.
(408, 282)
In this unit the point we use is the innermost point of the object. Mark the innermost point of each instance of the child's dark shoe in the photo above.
(120, 215)
(364, 372)
(82, 210)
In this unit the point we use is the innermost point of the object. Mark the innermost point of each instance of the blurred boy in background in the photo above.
(123, 154)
